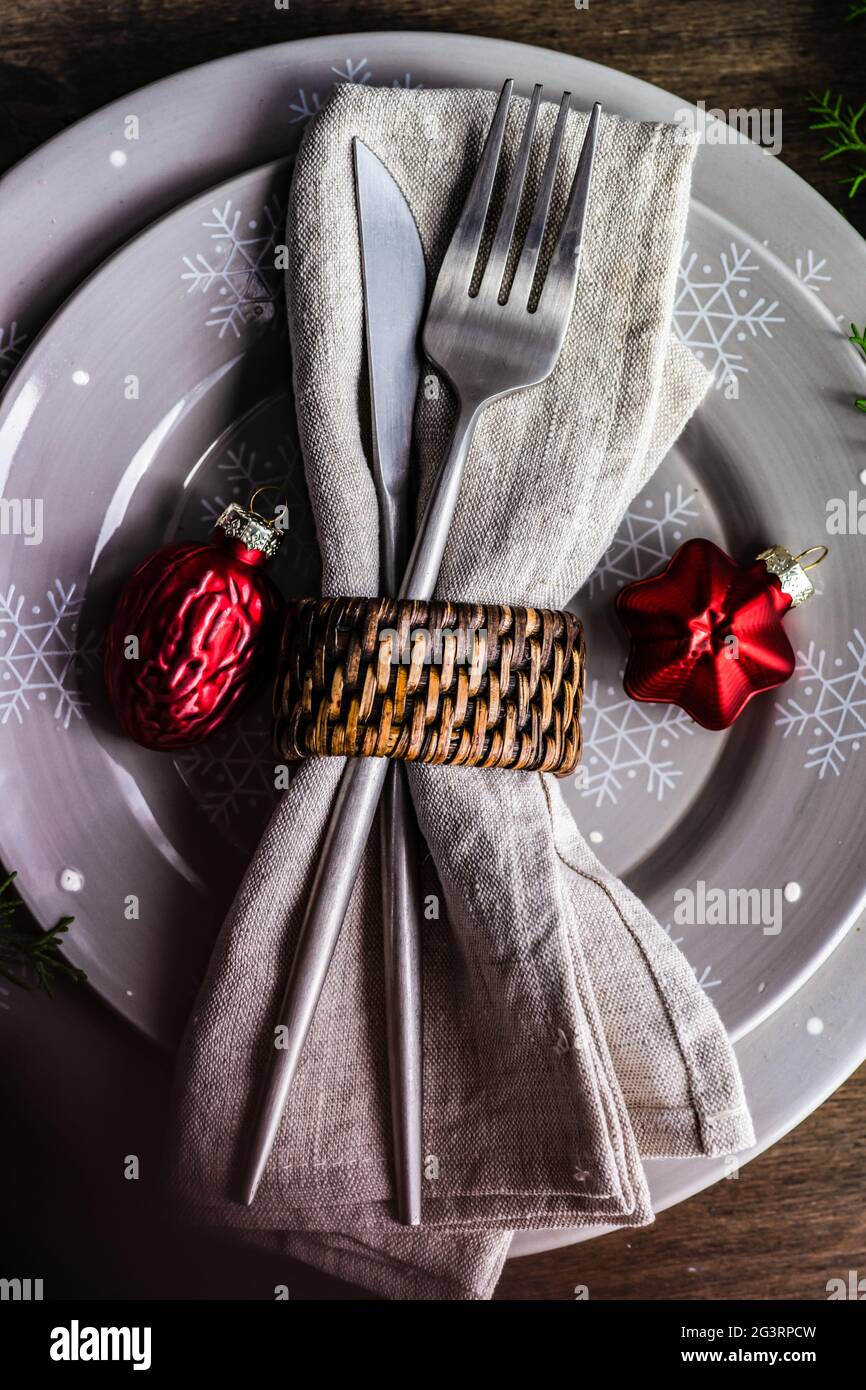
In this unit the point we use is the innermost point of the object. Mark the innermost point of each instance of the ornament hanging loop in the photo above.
(265, 487)
(824, 549)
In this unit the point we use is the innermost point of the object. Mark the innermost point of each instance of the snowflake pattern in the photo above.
(833, 710)
(232, 774)
(716, 308)
(352, 72)
(39, 653)
(704, 979)
(243, 470)
(11, 347)
(644, 539)
(306, 104)
(240, 269)
(625, 740)
(808, 271)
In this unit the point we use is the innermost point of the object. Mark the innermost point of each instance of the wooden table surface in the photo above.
(795, 1216)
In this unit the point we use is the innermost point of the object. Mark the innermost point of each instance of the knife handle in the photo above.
(349, 826)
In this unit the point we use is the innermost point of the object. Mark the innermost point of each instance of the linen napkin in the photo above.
(565, 1036)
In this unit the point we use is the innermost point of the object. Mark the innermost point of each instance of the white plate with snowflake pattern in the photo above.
(160, 391)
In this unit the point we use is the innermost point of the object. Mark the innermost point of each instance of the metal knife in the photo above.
(394, 293)
(395, 286)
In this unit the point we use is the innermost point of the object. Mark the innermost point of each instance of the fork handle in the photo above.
(352, 816)
(422, 571)
(399, 848)
(402, 939)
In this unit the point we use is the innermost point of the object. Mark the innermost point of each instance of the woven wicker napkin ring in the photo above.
(477, 684)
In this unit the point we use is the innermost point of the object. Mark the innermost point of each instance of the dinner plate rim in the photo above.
(311, 47)
(328, 44)
(113, 264)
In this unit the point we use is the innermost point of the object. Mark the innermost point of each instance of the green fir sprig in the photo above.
(25, 953)
(859, 340)
(857, 10)
(841, 126)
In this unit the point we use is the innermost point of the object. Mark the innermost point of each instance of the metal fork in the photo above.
(487, 346)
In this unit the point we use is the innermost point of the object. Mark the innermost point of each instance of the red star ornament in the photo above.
(706, 633)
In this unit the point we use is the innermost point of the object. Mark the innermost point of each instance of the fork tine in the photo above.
(462, 253)
(494, 271)
(565, 261)
(526, 266)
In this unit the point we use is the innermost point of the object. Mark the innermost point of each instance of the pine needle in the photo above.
(856, 180)
(23, 952)
(841, 122)
(859, 340)
(842, 126)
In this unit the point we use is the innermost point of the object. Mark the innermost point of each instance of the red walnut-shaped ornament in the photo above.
(707, 633)
(194, 633)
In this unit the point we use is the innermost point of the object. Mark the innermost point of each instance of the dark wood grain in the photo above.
(795, 1217)
(61, 61)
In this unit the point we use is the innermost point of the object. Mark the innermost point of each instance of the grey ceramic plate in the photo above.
(665, 802)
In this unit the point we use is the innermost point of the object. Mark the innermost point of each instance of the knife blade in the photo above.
(395, 285)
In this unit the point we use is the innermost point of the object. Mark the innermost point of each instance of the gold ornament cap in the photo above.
(246, 525)
(790, 573)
